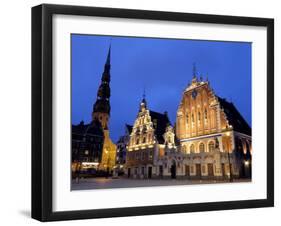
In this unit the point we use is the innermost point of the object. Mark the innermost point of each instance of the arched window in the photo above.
(191, 148)
(201, 147)
(211, 146)
(187, 118)
(144, 130)
(169, 140)
(192, 117)
(144, 140)
(199, 116)
(205, 114)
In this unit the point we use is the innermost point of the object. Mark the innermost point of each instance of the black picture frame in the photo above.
(42, 111)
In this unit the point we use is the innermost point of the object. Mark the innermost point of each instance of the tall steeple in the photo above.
(106, 72)
(101, 112)
(101, 108)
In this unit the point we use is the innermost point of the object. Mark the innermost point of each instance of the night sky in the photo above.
(163, 67)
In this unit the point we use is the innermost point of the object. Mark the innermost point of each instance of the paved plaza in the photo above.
(102, 183)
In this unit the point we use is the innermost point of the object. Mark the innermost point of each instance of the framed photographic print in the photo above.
(146, 112)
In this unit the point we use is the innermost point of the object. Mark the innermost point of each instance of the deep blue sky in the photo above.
(163, 67)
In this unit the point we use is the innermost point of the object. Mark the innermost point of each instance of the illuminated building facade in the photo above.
(211, 140)
(212, 133)
(151, 136)
(121, 145)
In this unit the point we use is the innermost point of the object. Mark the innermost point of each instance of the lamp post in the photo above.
(248, 163)
(229, 162)
(107, 164)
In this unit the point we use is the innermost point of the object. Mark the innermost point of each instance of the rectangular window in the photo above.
(142, 170)
(142, 156)
(150, 155)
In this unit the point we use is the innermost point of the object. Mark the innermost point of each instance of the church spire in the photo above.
(108, 55)
(102, 104)
(106, 72)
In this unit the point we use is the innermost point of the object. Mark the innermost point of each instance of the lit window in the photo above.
(205, 114)
(155, 122)
(211, 146)
(183, 148)
(201, 147)
(150, 155)
(191, 148)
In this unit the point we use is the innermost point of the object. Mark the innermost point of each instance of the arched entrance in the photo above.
(173, 170)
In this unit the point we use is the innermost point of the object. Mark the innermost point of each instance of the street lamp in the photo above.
(108, 161)
(230, 171)
(229, 164)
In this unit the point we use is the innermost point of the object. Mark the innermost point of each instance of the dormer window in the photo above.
(155, 122)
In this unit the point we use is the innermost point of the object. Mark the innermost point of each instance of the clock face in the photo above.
(194, 94)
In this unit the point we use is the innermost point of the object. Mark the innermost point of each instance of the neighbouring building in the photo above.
(148, 142)
(122, 149)
(213, 134)
(87, 143)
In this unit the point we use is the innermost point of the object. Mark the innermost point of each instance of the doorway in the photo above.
(149, 172)
(161, 171)
(129, 172)
(210, 170)
(187, 170)
(198, 170)
(223, 170)
(173, 170)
